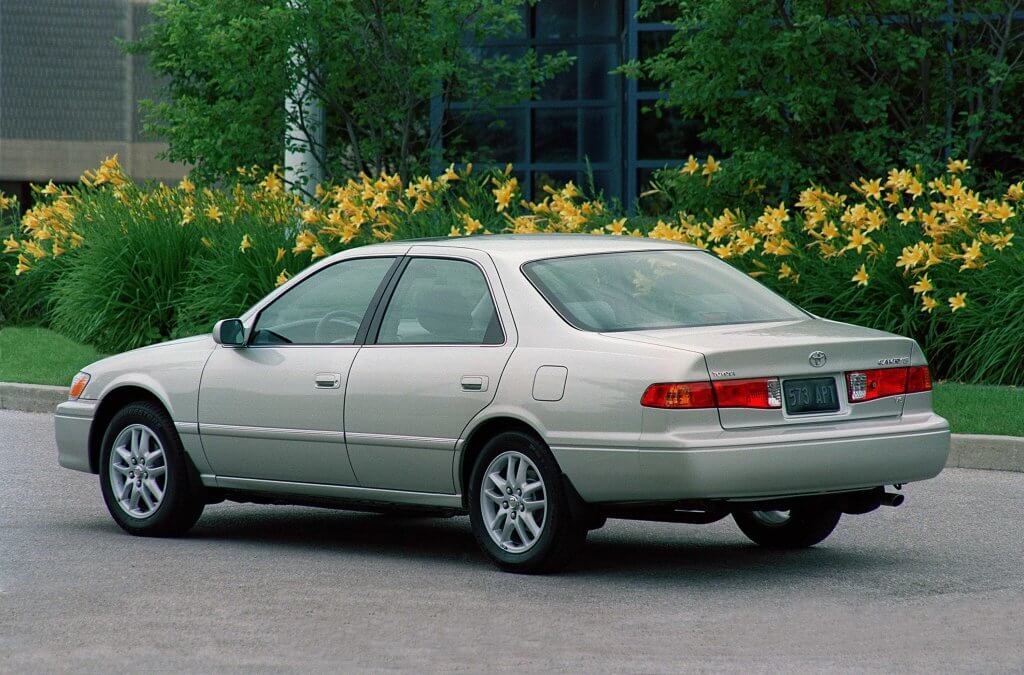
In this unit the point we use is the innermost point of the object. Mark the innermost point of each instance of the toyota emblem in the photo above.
(817, 359)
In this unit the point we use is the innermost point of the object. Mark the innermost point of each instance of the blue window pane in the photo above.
(667, 135)
(562, 86)
(598, 134)
(650, 43)
(499, 138)
(602, 184)
(556, 19)
(554, 135)
(596, 62)
(600, 17)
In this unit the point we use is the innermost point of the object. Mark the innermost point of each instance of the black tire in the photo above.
(183, 498)
(805, 527)
(561, 535)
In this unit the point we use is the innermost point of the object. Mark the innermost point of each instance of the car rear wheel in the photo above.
(519, 507)
(796, 528)
(148, 485)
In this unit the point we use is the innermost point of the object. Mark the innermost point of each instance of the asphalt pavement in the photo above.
(936, 585)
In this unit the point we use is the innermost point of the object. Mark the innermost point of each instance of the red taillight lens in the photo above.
(867, 385)
(759, 393)
(679, 395)
(918, 379)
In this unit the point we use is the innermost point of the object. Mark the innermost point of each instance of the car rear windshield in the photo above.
(646, 290)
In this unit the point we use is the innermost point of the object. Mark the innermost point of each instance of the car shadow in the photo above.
(690, 552)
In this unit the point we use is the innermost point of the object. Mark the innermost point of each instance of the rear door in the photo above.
(432, 361)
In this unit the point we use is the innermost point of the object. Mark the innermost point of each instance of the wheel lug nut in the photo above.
(138, 483)
(513, 515)
(508, 490)
(519, 492)
(504, 505)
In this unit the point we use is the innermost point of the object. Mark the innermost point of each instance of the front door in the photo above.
(432, 361)
(274, 409)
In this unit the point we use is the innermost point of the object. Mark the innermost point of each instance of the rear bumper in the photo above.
(71, 424)
(749, 465)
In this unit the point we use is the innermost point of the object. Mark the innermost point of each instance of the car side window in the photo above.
(441, 301)
(327, 308)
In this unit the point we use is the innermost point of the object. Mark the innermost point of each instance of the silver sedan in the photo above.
(540, 383)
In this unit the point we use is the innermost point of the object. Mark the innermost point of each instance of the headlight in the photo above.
(78, 386)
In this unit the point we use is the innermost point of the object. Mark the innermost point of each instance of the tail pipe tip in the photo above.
(892, 499)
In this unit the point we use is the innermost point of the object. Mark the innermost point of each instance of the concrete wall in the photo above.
(68, 96)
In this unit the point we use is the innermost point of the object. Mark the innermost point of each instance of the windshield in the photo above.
(644, 290)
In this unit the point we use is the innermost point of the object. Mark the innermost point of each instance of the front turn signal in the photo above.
(78, 386)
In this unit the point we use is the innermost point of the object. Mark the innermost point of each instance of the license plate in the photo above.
(810, 396)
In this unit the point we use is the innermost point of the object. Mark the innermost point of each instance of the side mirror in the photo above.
(229, 332)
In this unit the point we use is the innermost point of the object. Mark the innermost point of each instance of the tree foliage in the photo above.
(377, 66)
(827, 90)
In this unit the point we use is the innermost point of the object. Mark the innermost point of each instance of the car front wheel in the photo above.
(147, 483)
(519, 507)
(796, 528)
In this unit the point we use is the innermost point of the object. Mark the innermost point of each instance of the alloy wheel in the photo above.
(513, 502)
(138, 471)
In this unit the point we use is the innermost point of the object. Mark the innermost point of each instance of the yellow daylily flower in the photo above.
(616, 227)
(862, 276)
(472, 224)
(282, 277)
(923, 285)
(691, 167)
(928, 303)
(958, 301)
(213, 213)
(957, 166)
(711, 166)
(503, 193)
(186, 186)
(246, 243)
(450, 174)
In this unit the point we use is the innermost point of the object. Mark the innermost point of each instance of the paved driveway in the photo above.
(935, 585)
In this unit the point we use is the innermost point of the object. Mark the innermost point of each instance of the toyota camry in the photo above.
(541, 384)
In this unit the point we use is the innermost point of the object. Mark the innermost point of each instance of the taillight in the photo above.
(918, 379)
(867, 385)
(679, 395)
(759, 393)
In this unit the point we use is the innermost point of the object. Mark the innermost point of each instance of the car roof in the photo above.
(525, 247)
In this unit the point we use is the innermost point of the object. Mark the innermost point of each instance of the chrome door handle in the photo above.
(474, 383)
(327, 380)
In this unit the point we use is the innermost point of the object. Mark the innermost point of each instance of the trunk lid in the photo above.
(786, 349)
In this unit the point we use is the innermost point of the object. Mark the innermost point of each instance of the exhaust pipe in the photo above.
(892, 499)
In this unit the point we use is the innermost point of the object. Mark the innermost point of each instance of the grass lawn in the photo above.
(981, 409)
(40, 356)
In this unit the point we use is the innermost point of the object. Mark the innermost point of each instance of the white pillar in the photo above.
(304, 133)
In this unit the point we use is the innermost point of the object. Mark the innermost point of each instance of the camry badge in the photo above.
(817, 359)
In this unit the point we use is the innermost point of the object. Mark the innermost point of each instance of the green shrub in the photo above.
(119, 266)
